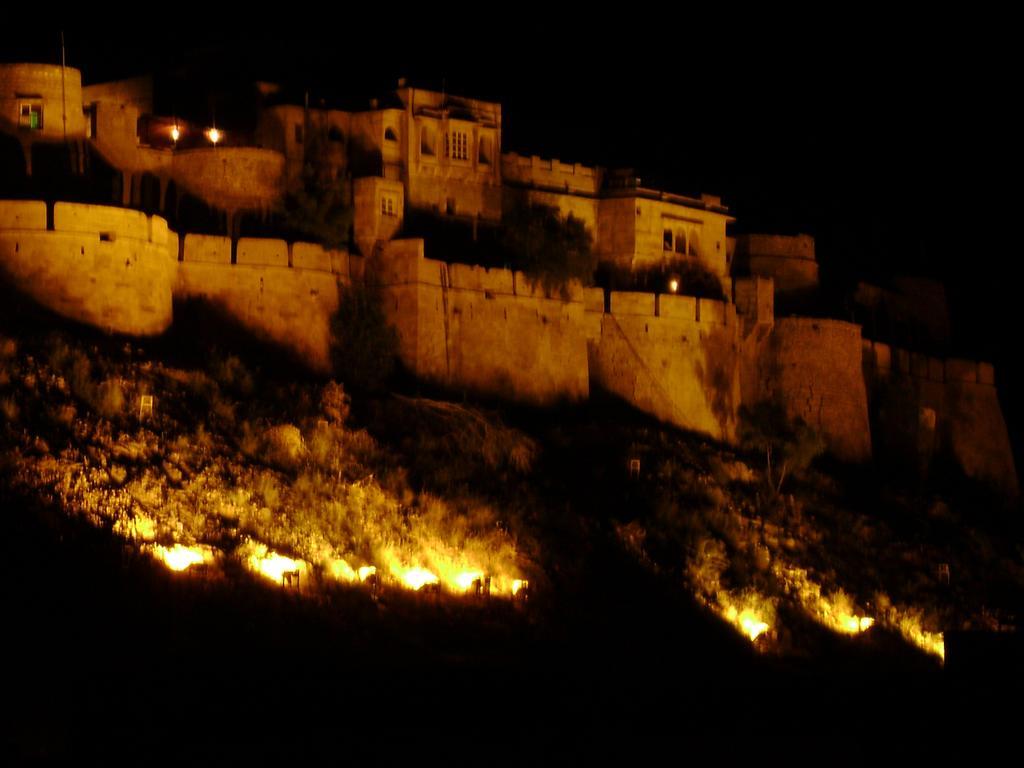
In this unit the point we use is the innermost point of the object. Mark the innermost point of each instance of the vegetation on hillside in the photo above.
(238, 468)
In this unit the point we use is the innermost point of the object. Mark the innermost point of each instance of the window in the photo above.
(484, 155)
(456, 145)
(427, 141)
(31, 116)
(298, 133)
(335, 135)
(681, 242)
(387, 206)
(667, 240)
(390, 135)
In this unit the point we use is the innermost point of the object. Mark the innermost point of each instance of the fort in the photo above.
(120, 263)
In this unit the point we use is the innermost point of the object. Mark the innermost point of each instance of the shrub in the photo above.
(318, 209)
(789, 447)
(283, 446)
(109, 399)
(548, 248)
(230, 372)
(364, 346)
(694, 278)
(334, 403)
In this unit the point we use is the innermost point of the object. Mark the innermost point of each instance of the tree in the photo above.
(548, 248)
(319, 209)
(789, 447)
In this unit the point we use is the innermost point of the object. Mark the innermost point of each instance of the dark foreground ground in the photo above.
(108, 655)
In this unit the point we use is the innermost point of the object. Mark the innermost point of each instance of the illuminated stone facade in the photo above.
(691, 362)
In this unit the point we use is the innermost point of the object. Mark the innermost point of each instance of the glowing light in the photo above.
(747, 621)
(268, 563)
(835, 612)
(179, 557)
(673, 285)
(519, 585)
(930, 642)
(214, 135)
(417, 578)
(175, 133)
(465, 580)
(752, 626)
(341, 570)
(366, 572)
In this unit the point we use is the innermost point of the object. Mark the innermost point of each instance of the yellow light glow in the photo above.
(747, 621)
(342, 571)
(270, 564)
(518, 585)
(366, 572)
(417, 578)
(214, 135)
(175, 133)
(673, 285)
(465, 580)
(179, 557)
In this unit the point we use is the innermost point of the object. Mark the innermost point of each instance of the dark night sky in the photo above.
(888, 138)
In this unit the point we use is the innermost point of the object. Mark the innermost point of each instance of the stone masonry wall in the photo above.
(485, 331)
(811, 368)
(290, 306)
(924, 408)
(674, 357)
(106, 267)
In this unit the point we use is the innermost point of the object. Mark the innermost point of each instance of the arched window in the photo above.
(390, 135)
(694, 243)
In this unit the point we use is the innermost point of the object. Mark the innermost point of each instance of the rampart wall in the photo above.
(681, 359)
(811, 368)
(550, 174)
(108, 267)
(925, 407)
(487, 331)
(674, 357)
(282, 294)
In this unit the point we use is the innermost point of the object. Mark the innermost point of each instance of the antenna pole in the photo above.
(63, 91)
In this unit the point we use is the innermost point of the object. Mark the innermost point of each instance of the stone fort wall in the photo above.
(487, 331)
(811, 369)
(283, 293)
(674, 357)
(108, 267)
(925, 408)
(687, 361)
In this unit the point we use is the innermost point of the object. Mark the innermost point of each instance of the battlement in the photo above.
(883, 360)
(665, 306)
(107, 267)
(550, 174)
